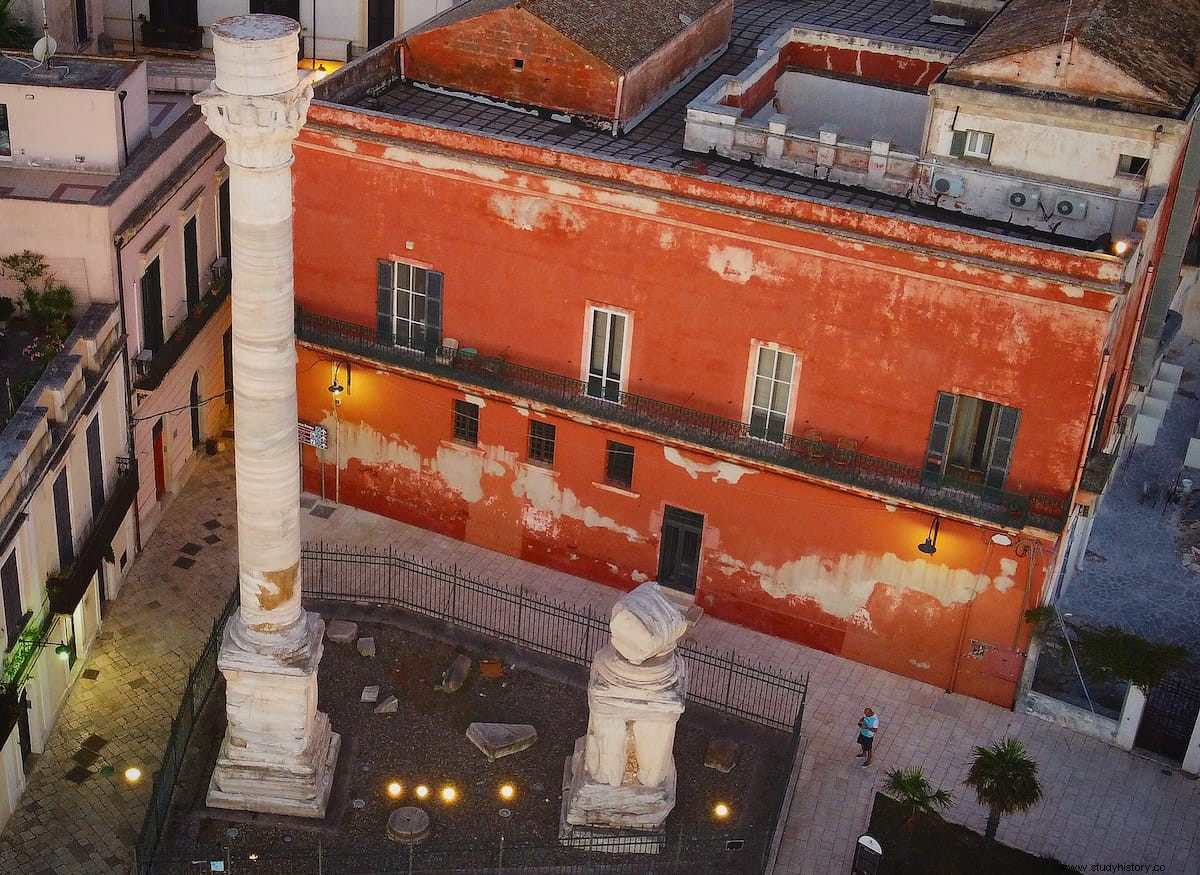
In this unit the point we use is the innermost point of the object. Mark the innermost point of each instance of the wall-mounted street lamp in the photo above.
(336, 388)
(62, 651)
(929, 547)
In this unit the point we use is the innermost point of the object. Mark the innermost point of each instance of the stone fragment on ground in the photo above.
(456, 675)
(722, 755)
(390, 705)
(370, 693)
(366, 647)
(341, 631)
(497, 740)
(408, 825)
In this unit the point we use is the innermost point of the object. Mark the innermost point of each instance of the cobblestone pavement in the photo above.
(1102, 805)
(1133, 574)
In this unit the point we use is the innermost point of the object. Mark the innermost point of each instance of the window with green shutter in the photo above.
(970, 439)
(971, 144)
(409, 306)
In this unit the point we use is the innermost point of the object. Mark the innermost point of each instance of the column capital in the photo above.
(258, 130)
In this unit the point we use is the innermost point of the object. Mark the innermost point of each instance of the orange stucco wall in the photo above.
(878, 328)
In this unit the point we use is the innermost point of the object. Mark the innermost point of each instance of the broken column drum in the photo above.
(623, 771)
(279, 752)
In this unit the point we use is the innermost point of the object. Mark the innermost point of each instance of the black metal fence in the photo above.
(201, 681)
(825, 457)
(727, 682)
(724, 681)
(679, 852)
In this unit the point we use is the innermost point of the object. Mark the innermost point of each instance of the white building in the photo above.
(124, 206)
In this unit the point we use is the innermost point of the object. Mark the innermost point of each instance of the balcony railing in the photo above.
(170, 352)
(834, 461)
(67, 589)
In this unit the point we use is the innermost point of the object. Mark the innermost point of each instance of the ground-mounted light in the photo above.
(422, 791)
(507, 791)
(133, 774)
(449, 794)
(721, 810)
(253, 857)
(394, 789)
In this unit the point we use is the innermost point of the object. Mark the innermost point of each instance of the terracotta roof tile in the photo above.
(1153, 41)
(619, 32)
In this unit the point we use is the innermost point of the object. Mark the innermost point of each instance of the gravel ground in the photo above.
(424, 742)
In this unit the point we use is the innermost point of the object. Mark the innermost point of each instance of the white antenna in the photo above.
(44, 49)
(1063, 42)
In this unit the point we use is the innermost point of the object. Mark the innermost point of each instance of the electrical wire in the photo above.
(195, 406)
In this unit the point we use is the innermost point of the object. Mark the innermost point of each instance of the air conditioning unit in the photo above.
(945, 183)
(141, 363)
(219, 270)
(1070, 208)
(1024, 198)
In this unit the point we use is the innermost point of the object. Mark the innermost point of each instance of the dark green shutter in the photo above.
(386, 304)
(433, 310)
(958, 143)
(939, 438)
(1002, 446)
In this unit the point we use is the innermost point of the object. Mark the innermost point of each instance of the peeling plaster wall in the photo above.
(800, 561)
(524, 254)
(833, 298)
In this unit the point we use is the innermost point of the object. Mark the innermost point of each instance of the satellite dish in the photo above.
(44, 49)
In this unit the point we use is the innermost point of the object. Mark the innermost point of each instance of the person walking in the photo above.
(868, 725)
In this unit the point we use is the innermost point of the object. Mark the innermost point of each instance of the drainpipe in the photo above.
(119, 245)
(962, 632)
(121, 95)
(620, 95)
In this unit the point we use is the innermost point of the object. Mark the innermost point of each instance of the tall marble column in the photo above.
(279, 752)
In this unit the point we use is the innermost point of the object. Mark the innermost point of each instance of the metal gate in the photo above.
(1170, 715)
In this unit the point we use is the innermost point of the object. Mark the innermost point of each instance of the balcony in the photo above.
(834, 461)
(66, 588)
(19, 663)
(165, 357)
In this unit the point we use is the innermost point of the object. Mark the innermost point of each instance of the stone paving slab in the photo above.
(1102, 805)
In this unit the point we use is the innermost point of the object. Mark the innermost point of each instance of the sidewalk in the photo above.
(1101, 805)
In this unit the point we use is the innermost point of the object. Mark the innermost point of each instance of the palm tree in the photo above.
(1004, 779)
(916, 795)
(13, 35)
(912, 789)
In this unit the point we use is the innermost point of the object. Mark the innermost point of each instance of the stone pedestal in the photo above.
(279, 753)
(622, 773)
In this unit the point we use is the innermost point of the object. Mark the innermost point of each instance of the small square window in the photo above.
(1132, 165)
(971, 144)
(618, 467)
(518, 63)
(466, 422)
(541, 442)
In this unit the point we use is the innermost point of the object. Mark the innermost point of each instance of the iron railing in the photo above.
(726, 682)
(66, 589)
(832, 460)
(201, 680)
(679, 853)
(165, 357)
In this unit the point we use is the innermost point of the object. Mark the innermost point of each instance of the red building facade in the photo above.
(638, 373)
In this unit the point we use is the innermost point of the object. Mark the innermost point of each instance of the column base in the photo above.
(279, 753)
(587, 803)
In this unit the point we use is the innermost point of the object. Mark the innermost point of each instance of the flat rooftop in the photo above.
(81, 187)
(657, 142)
(66, 71)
